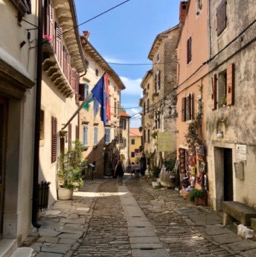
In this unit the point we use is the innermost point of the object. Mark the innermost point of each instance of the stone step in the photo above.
(156, 184)
(23, 252)
(7, 247)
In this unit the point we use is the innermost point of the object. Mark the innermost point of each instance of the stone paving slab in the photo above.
(42, 254)
(55, 248)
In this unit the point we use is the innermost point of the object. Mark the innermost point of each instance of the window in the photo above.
(223, 87)
(144, 135)
(148, 135)
(54, 140)
(123, 142)
(97, 72)
(83, 91)
(199, 6)
(132, 154)
(85, 135)
(95, 136)
(123, 123)
(189, 50)
(187, 108)
(157, 58)
(148, 106)
(107, 135)
(157, 81)
(157, 119)
(144, 108)
(133, 141)
(148, 86)
(221, 17)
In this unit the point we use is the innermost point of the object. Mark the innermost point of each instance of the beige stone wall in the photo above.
(237, 122)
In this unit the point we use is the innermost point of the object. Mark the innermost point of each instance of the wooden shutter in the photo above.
(230, 84)
(81, 92)
(77, 132)
(213, 96)
(51, 22)
(69, 135)
(54, 140)
(192, 107)
(58, 43)
(221, 16)
(183, 109)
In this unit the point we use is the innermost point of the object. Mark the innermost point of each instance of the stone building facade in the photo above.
(101, 143)
(231, 118)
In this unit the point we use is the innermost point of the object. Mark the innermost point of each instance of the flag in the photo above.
(86, 104)
(95, 106)
(99, 93)
(107, 97)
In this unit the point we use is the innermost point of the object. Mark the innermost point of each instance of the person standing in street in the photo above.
(143, 165)
(119, 171)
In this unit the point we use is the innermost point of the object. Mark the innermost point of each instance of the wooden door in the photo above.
(3, 123)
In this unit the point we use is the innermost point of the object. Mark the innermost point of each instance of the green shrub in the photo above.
(196, 193)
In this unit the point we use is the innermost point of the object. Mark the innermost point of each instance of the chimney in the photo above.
(86, 34)
(183, 11)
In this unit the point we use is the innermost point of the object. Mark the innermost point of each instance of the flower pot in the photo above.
(65, 193)
(201, 201)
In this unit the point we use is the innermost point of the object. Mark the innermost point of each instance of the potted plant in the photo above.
(69, 175)
(198, 196)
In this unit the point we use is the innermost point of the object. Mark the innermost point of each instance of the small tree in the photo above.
(71, 166)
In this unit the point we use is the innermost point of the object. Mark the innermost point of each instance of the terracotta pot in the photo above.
(201, 201)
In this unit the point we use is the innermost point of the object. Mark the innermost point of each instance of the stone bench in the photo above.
(238, 211)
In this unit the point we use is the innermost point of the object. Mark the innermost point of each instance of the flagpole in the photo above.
(76, 112)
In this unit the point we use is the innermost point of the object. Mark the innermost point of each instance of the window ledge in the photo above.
(85, 147)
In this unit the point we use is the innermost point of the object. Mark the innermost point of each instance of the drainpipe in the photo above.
(37, 113)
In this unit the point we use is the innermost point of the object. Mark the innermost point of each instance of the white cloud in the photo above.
(132, 86)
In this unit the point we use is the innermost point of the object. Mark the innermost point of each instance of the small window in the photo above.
(148, 135)
(123, 123)
(199, 6)
(107, 135)
(221, 17)
(222, 89)
(97, 72)
(83, 91)
(133, 141)
(157, 81)
(132, 154)
(148, 86)
(85, 135)
(95, 136)
(157, 58)
(189, 50)
(148, 106)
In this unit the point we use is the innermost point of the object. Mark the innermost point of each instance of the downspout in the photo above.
(37, 113)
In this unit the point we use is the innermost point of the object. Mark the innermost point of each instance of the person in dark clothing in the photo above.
(119, 172)
(143, 165)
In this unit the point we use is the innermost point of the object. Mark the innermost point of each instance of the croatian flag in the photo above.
(100, 93)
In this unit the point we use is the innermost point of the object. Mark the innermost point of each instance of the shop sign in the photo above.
(241, 152)
(165, 142)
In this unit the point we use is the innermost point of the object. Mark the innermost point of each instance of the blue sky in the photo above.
(125, 35)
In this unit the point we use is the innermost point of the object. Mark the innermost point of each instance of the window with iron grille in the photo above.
(54, 140)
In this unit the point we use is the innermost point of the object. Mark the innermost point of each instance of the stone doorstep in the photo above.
(7, 247)
(23, 252)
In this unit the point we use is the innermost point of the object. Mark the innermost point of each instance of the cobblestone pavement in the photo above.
(185, 229)
(134, 220)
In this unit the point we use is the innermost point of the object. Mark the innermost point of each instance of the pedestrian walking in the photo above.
(119, 171)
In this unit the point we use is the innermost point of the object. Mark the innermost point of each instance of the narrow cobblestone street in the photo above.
(135, 220)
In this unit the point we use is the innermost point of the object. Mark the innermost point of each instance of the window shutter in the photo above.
(51, 21)
(213, 100)
(58, 43)
(81, 92)
(221, 16)
(230, 84)
(192, 107)
(189, 50)
(77, 132)
(85, 136)
(183, 109)
(54, 140)
(69, 135)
